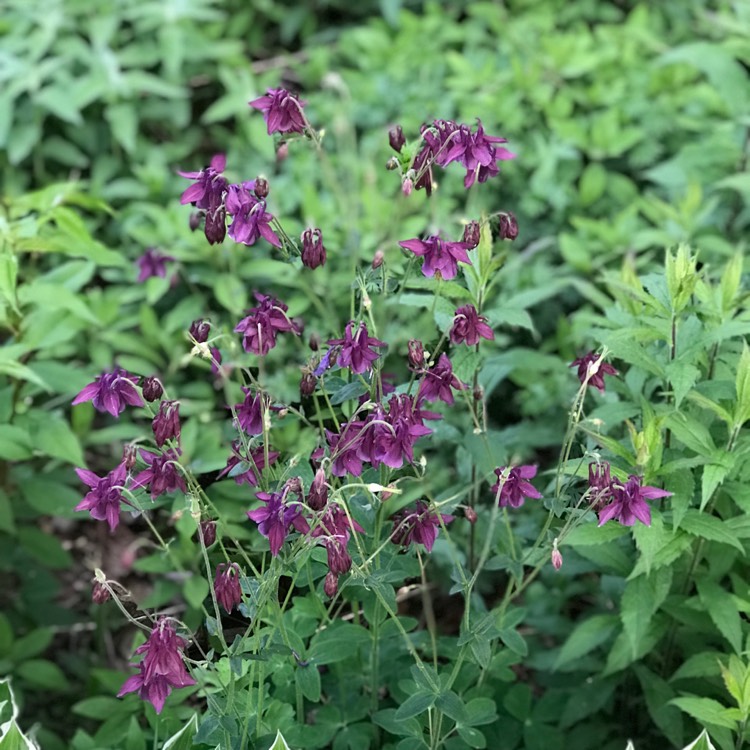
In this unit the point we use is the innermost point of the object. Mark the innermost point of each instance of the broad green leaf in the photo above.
(742, 386)
(279, 743)
(710, 527)
(587, 635)
(705, 710)
(701, 742)
(54, 437)
(640, 600)
(722, 609)
(183, 740)
(14, 739)
(415, 705)
(15, 442)
(195, 590)
(472, 737)
(43, 674)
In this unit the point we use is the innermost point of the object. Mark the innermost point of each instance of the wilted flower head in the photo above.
(227, 585)
(260, 327)
(420, 526)
(250, 218)
(629, 502)
(507, 226)
(152, 263)
(111, 392)
(514, 489)
(199, 330)
(161, 669)
(274, 519)
(166, 424)
(281, 110)
(472, 234)
(600, 484)
(437, 382)
(593, 368)
(162, 474)
(105, 494)
(357, 349)
(468, 326)
(313, 250)
(439, 256)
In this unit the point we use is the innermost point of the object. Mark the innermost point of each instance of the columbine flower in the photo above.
(111, 392)
(250, 218)
(437, 382)
(207, 531)
(344, 448)
(396, 138)
(507, 226)
(162, 668)
(514, 489)
(162, 474)
(629, 502)
(246, 467)
(166, 424)
(274, 519)
(103, 499)
(317, 498)
(313, 251)
(472, 234)
(356, 352)
(208, 195)
(260, 327)
(227, 586)
(394, 435)
(281, 110)
(440, 256)
(415, 355)
(600, 485)
(250, 412)
(199, 330)
(468, 326)
(592, 367)
(152, 263)
(151, 389)
(420, 526)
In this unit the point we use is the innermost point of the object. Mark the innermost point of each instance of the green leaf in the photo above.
(100, 707)
(231, 293)
(7, 521)
(15, 739)
(195, 590)
(54, 437)
(337, 642)
(472, 737)
(705, 710)
(587, 635)
(15, 442)
(451, 705)
(183, 740)
(590, 533)
(701, 742)
(640, 600)
(722, 610)
(46, 549)
(43, 674)
(710, 527)
(742, 386)
(308, 679)
(123, 120)
(32, 644)
(691, 433)
(730, 279)
(480, 711)
(279, 743)
(415, 705)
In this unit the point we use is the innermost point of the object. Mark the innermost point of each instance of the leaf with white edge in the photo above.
(12, 738)
(183, 740)
(705, 710)
(279, 743)
(701, 742)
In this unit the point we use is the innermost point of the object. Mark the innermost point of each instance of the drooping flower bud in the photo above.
(331, 585)
(470, 515)
(507, 226)
(216, 226)
(282, 152)
(195, 220)
(262, 187)
(307, 383)
(314, 342)
(472, 233)
(166, 424)
(207, 530)
(378, 259)
(100, 593)
(392, 164)
(313, 250)
(151, 389)
(557, 558)
(416, 355)
(407, 186)
(227, 585)
(199, 330)
(129, 456)
(396, 138)
(318, 495)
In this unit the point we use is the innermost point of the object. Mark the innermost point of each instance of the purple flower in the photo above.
(629, 502)
(281, 110)
(250, 412)
(507, 226)
(415, 355)
(356, 352)
(207, 530)
(514, 489)
(199, 330)
(166, 424)
(333, 530)
(152, 263)
(317, 497)
(344, 448)
(437, 382)
(472, 234)
(592, 369)
(468, 326)
(162, 474)
(313, 251)
(420, 526)
(600, 485)
(274, 518)
(111, 392)
(151, 388)
(260, 327)
(105, 495)
(227, 585)
(394, 439)
(161, 669)
(250, 464)
(440, 257)
(209, 188)
(250, 218)
(422, 167)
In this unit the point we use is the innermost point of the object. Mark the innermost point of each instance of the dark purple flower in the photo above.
(331, 585)
(282, 111)
(166, 424)
(111, 392)
(507, 226)
(317, 497)
(250, 218)
(207, 531)
(313, 251)
(199, 330)
(396, 138)
(208, 191)
(262, 188)
(162, 474)
(274, 518)
(437, 382)
(415, 355)
(260, 327)
(100, 593)
(152, 263)
(422, 168)
(514, 489)
(600, 485)
(472, 234)
(161, 669)
(468, 326)
(592, 369)
(227, 586)
(334, 522)
(394, 434)
(245, 468)
(629, 502)
(307, 383)
(327, 361)
(356, 352)
(440, 257)
(344, 448)
(151, 389)
(250, 412)
(105, 495)
(420, 526)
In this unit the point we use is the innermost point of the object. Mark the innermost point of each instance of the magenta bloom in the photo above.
(227, 585)
(600, 485)
(208, 190)
(344, 448)
(468, 326)
(281, 110)
(393, 440)
(274, 519)
(356, 348)
(515, 489)
(317, 497)
(152, 263)
(629, 502)
(250, 218)
(260, 327)
(162, 667)
(420, 526)
(105, 495)
(245, 468)
(593, 367)
(250, 412)
(111, 392)
(440, 256)
(162, 474)
(166, 424)
(313, 250)
(437, 382)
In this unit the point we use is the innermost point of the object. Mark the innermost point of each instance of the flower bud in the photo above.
(100, 593)
(470, 514)
(331, 585)
(416, 355)
(151, 389)
(216, 226)
(377, 259)
(478, 393)
(472, 233)
(392, 164)
(396, 138)
(318, 495)
(129, 456)
(207, 531)
(195, 220)
(294, 485)
(199, 330)
(406, 186)
(313, 250)
(166, 424)
(507, 226)
(307, 383)
(314, 342)
(557, 559)
(261, 188)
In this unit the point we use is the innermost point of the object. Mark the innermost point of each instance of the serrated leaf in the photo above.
(415, 705)
(722, 610)
(586, 637)
(742, 387)
(705, 710)
(640, 600)
(710, 527)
